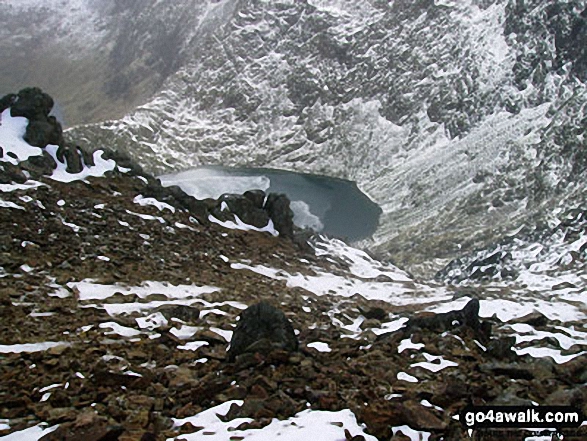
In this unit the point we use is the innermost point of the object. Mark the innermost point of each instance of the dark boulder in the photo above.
(243, 207)
(501, 348)
(122, 159)
(40, 133)
(262, 328)
(33, 104)
(10, 173)
(176, 197)
(257, 197)
(277, 206)
(72, 157)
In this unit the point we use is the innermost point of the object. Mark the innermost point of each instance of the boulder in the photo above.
(40, 133)
(39, 165)
(277, 206)
(257, 197)
(33, 104)
(73, 157)
(244, 207)
(262, 328)
(89, 427)
(6, 101)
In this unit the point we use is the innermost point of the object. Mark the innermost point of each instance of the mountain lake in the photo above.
(328, 205)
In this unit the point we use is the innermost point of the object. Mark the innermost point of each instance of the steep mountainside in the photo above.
(132, 312)
(99, 58)
(462, 119)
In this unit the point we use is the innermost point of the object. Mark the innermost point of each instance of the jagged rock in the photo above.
(277, 206)
(262, 327)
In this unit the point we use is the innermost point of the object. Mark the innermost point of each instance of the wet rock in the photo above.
(277, 206)
(261, 328)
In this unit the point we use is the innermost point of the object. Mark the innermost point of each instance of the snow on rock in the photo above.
(31, 434)
(99, 169)
(434, 363)
(89, 290)
(30, 347)
(240, 225)
(320, 346)
(12, 130)
(145, 202)
(366, 276)
(305, 425)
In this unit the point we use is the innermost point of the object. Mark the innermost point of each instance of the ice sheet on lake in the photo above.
(203, 183)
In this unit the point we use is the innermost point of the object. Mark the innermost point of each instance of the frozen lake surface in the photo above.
(334, 206)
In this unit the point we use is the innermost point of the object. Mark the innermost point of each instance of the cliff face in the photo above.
(464, 120)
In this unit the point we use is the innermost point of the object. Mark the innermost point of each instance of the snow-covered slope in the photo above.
(462, 119)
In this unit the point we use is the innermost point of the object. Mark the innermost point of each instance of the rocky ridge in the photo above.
(119, 301)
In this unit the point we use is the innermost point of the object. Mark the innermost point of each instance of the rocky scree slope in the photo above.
(464, 120)
(118, 309)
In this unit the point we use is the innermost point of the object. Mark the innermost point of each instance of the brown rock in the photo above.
(87, 427)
